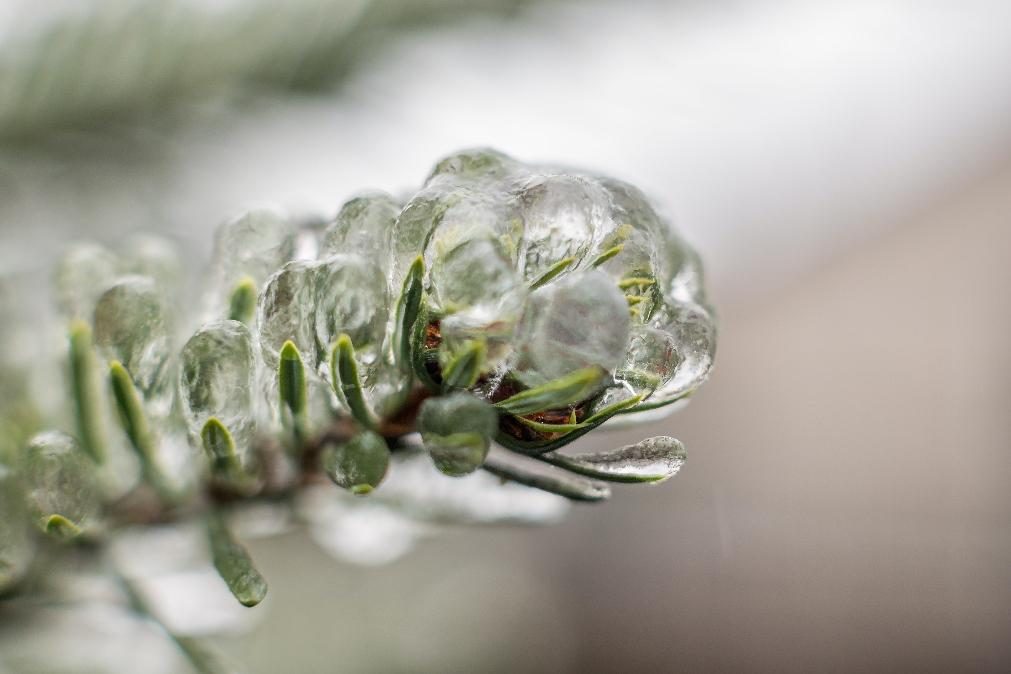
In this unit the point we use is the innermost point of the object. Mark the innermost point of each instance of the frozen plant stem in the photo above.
(233, 563)
(493, 318)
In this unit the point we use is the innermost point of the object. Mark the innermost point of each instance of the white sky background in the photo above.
(775, 133)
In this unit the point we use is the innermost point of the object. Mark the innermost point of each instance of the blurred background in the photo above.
(845, 169)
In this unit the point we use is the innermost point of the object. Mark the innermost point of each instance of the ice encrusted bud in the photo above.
(578, 322)
(216, 379)
(554, 270)
(249, 247)
(131, 326)
(62, 491)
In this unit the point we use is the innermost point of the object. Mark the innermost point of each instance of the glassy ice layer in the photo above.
(557, 269)
(531, 273)
(60, 480)
(363, 227)
(251, 246)
(216, 380)
(131, 326)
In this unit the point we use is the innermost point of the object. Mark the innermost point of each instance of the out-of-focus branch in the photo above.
(118, 61)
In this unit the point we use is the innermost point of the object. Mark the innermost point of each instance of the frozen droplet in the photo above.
(417, 219)
(359, 464)
(475, 272)
(131, 326)
(693, 329)
(475, 212)
(651, 460)
(350, 297)
(633, 225)
(651, 245)
(285, 312)
(561, 217)
(16, 545)
(472, 164)
(493, 321)
(580, 321)
(60, 479)
(456, 430)
(216, 380)
(651, 360)
(84, 272)
(254, 246)
(363, 227)
(156, 257)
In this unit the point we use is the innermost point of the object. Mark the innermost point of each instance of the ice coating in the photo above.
(60, 480)
(581, 321)
(350, 298)
(472, 273)
(651, 460)
(131, 326)
(216, 379)
(363, 226)
(621, 289)
(285, 311)
(562, 216)
(494, 317)
(251, 246)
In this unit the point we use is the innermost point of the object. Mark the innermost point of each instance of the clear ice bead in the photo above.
(363, 227)
(131, 326)
(561, 217)
(84, 272)
(417, 219)
(350, 297)
(475, 272)
(577, 322)
(634, 225)
(651, 360)
(216, 380)
(285, 311)
(474, 212)
(61, 480)
(475, 163)
(254, 245)
(693, 329)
